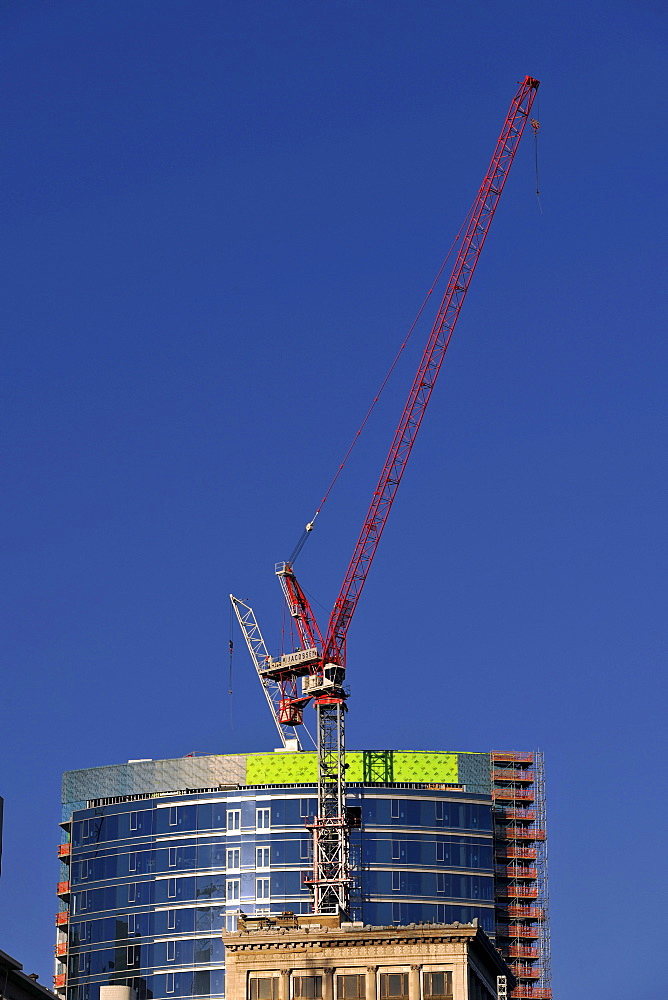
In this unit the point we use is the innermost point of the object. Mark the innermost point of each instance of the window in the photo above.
(134, 821)
(352, 987)
(169, 986)
(263, 819)
(234, 858)
(396, 850)
(171, 888)
(231, 922)
(173, 816)
(132, 892)
(440, 851)
(133, 955)
(85, 829)
(303, 808)
(132, 862)
(394, 808)
(396, 881)
(262, 888)
(304, 846)
(232, 889)
(83, 870)
(307, 986)
(438, 985)
(172, 857)
(84, 958)
(394, 986)
(171, 951)
(171, 920)
(396, 913)
(234, 819)
(262, 857)
(132, 923)
(264, 988)
(440, 882)
(439, 812)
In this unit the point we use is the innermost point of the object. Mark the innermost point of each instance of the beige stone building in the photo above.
(321, 958)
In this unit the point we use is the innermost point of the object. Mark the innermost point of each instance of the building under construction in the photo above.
(158, 856)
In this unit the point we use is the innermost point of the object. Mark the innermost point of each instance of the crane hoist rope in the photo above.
(311, 524)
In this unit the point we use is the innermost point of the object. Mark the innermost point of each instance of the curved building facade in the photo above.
(158, 857)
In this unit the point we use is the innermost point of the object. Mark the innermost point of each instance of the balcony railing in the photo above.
(64, 850)
(515, 871)
(508, 812)
(520, 758)
(528, 912)
(521, 971)
(524, 992)
(62, 917)
(511, 774)
(523, 951)
(59, 980)
(513, 851)
(520, 833)
(63, 889)
(61, 948)
(517, 931)
(513, 793)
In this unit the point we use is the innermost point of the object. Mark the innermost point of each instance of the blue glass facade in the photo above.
(150, 881)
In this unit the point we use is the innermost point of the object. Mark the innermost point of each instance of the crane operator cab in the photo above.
(332, 678)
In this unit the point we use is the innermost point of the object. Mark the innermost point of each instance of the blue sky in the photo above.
(218, 221)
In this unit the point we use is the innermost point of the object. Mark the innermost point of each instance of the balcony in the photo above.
(524, 992)
(523, 951)
(61, 949)
(64, 850)
(63, 890)
(512, 774)
(59, 980)
(515, 871)
(62, 917)
(518, 758)
(517, 931)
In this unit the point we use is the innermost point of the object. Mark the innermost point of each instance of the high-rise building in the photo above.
(158, 857)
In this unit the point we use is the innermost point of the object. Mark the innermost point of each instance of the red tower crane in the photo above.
(322, 663)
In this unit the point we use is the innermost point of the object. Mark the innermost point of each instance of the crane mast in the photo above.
(323, 664)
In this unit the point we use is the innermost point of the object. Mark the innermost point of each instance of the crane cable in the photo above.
(309, 527)
(535, 125)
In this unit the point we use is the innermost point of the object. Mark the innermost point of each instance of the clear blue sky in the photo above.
(218, 220)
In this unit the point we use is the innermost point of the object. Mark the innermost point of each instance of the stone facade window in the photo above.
(263, 988)
(394, 986)
(307, 986)
(438, 986)
(351, 987)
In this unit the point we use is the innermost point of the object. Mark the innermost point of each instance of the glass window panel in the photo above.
(351, 987)
(264, 988)
(438, 985)
(307, 986)
(394, 985)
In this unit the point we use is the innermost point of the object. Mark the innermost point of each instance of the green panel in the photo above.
(281, 769)
(420, 766)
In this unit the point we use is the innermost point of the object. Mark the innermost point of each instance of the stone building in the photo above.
(321, 958)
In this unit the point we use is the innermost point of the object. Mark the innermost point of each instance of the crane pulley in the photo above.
(320, 665)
